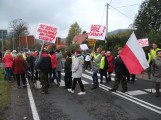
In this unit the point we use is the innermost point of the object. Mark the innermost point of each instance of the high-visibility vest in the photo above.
(96, 56)
(102, 62)
(149, 58)
(153, 53)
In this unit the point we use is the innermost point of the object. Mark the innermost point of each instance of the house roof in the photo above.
(78, 39)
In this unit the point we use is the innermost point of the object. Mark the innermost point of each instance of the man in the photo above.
(96, 58)
(45, 67)
(121, 72)
(154, 50)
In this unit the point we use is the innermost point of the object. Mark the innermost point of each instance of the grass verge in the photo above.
(4, 94)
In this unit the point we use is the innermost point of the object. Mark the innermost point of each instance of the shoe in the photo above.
(156, 94)
(70, 90)
(112, 90)
(81, 93)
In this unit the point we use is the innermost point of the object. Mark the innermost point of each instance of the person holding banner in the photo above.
(45, 67)
(96, 58)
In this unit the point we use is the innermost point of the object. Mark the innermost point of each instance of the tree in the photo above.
(74, 30)
(148, 18)
(19, 27)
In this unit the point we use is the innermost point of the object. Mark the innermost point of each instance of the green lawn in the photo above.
(4, 94)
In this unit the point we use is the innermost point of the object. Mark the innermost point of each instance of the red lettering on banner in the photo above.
(95, 28)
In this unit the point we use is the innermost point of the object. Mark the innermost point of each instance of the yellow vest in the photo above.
(102, 62)
(153, 53)
(96, 56)
(149, 58)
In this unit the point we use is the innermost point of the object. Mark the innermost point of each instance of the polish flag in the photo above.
(133, 56)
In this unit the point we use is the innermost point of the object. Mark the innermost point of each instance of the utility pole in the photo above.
(107, 6)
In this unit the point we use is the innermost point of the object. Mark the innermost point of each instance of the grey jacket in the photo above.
(156, 70)
(95, 63)
(77, 67)
(59, 65)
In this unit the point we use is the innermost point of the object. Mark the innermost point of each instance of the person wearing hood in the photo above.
(45, 67)
(77, 72)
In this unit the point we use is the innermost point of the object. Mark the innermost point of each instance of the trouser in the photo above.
(8, 73)
(132, 77)
(22, 78)
(157, 87)
(88, 63)
(118, 79)
(149, 72)
(68, 79)
(44, 80)
(95, 79)
(59, 75)
(54, 76)
(103, 73)
(80, 84)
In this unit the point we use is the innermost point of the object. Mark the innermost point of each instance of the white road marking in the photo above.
(139, 103)
(152, 90)
(32, 103)
(136, 92)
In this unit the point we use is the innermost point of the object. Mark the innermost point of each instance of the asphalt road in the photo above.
(139, 103)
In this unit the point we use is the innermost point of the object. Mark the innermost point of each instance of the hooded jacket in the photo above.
(77, 67)
(7, 60)
(54, 61)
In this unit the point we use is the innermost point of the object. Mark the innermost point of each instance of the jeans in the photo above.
(8, 73)
(54, 76)
(95, 79)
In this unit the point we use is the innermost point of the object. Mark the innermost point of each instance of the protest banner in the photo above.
(97, 32)
(143, 42)
(84, 47)
(47, 33)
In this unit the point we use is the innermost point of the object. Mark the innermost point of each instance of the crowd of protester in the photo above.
(46, 66)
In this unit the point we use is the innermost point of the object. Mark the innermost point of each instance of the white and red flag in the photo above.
(133, 56)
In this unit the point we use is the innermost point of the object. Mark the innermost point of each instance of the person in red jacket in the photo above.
(54, 63)
(8, 61)
(111, 65)
(19, 66)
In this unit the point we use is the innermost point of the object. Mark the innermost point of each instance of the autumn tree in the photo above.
(19, 27)
(74, 30)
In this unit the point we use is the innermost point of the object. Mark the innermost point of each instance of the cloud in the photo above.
(63, 13)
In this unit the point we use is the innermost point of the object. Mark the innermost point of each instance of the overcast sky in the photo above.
(63, 13)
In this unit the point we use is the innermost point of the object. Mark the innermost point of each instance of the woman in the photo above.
(77, 73)
(8, 61)
(156, 71)
(18, 66)
(111, 65)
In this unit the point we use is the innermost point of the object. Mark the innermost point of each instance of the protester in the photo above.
(8, 61)
(68, 71)
(121, 72)
(14, 54)
(149, 59)
(30, 65)
(103, 67)
(156, 71)
(87, 61)
(96, 58)
(154, 50)
(59, 64)
(111, 65)
(19, 66)
(54, 63)
(77, 73)
(45, 67)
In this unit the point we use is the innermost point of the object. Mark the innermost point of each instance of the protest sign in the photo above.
(97, 32)
(84, 47)
(143, 42)
(47, 33)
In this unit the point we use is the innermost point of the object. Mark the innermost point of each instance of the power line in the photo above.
(110, 2)
(120, 12)
(127, 6)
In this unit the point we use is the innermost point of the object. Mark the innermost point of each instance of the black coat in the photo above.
(68, 65)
